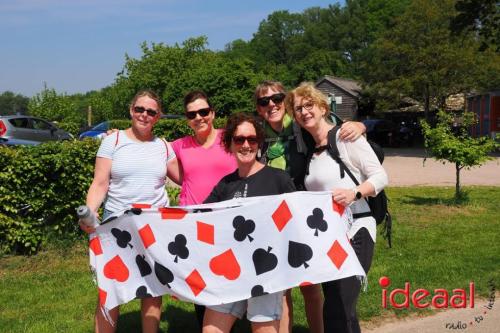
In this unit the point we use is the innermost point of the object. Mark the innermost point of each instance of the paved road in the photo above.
(407, 167)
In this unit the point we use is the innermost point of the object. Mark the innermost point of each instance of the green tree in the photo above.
(11, 103)
(50, 105)
(420, 57)
(457, 146)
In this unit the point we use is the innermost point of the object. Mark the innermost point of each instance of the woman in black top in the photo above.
(243, 137)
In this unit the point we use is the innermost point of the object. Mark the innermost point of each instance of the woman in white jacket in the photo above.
(309, 108)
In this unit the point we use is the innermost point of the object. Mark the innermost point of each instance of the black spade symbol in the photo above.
(178, 247)
(143, 265)
(316, 221)
(122, 237)
(258, 290)
(243, 228)
(163, 274)
(299, 254)
(264, 261)
(142, 292)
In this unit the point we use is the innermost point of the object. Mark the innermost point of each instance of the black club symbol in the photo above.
(316, 221)
(178, 247)
(243, 228)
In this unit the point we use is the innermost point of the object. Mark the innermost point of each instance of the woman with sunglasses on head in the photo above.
(131, 167)
(243, 137)
(201, 159)
(309, 108)
(285, 149)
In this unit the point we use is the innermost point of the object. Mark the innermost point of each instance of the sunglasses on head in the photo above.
(276, 98)
(240, 140)
(141, 109)
(202, 112)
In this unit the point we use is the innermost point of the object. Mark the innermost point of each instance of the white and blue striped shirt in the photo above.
(138, 171)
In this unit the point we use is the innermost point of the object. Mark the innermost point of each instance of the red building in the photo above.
(487, 109)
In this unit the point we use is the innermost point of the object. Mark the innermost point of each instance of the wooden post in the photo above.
(89, 116)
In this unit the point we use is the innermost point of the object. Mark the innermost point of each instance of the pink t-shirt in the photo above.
(202, 167)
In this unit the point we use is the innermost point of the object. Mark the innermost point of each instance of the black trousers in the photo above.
(341, 296)
(200, 312)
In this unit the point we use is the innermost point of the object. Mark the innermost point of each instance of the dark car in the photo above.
(27, 130)
(96, 132)
(382, 131)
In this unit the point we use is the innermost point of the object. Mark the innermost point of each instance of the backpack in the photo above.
(377, 204)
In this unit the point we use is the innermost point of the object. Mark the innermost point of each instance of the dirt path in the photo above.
(464, 320)
(407, 167)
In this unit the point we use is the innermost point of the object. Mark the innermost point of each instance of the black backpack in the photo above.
(377, 204)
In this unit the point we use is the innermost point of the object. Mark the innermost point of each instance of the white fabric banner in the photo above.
(224, 252)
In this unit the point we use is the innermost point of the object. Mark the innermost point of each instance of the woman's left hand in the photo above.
(343, 196)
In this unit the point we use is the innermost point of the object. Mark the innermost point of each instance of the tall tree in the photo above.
(420, 57)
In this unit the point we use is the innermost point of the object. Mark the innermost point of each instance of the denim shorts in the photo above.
(259, 309)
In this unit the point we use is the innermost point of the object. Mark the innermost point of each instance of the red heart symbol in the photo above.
(225, 264)
(115, 269)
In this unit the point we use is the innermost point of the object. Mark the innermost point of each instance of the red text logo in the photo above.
(423, 298)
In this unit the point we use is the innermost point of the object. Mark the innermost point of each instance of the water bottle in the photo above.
(87, 216)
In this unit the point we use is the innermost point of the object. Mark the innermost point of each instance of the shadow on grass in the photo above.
(463, 199)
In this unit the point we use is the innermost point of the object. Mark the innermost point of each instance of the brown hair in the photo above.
(147, 93)
(193, 96)
(232, 124)
(264, 86)
(309, 91)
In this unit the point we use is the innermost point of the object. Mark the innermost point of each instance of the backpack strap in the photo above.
(117, 136)
(334, 153)
(166, 145)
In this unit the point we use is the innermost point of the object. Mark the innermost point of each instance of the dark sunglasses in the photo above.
(202, 112)
(240, 140)
(276, 98)
(150, 112)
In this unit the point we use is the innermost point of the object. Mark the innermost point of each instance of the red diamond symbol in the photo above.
(195, 282)
(95, 246)
(337, 254)
(141, 205)
(282, 215)
(102, 296)
(147, 236)
(205, 232)
(338, 207)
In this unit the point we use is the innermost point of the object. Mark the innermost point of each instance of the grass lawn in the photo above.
(436, 244)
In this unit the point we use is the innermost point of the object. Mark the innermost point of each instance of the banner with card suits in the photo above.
(224, 252)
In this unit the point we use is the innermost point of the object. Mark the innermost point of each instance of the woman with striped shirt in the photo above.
(131, 167)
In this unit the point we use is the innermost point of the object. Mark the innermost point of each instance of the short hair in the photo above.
(193, 96)
(232, 124)
(147, 93)
(309, 91)
(264, 86)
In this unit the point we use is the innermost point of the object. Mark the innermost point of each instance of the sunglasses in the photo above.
(150, 112)
(276, 98)
(202, 112)
(240, 140)
(306, 106)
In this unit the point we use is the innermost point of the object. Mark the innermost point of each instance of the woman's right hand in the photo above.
(85, 227)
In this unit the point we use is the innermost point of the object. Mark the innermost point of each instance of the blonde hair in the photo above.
(308, 91)
(147, 93)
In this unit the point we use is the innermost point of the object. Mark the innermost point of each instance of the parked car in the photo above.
(96, 132)
(27, 130)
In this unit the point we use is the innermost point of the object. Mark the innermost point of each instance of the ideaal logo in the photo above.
(439, 299)
(423, 298)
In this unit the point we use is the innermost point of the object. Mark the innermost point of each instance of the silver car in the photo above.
(21, 129)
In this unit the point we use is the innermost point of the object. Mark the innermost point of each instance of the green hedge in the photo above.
(53, 179)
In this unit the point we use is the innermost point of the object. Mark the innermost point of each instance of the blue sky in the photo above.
(79, 45)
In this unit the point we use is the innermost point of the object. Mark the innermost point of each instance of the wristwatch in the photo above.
(357, 194)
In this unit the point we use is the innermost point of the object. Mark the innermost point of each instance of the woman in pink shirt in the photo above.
(201, 158)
